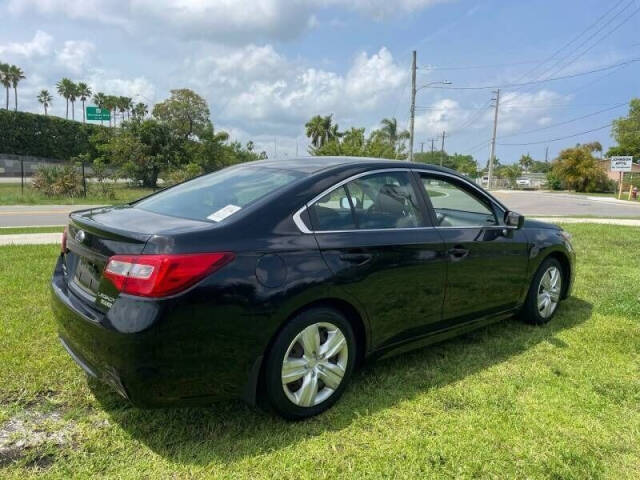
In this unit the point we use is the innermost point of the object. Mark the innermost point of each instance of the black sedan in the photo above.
(273, 280)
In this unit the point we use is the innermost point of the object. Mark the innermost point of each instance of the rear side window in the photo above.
(377, 201)
(219, 195)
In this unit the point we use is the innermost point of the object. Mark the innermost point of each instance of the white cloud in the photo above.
(381, 9)
(39, 46)
(518, 109)
(443, 115)
(139, 88)
(225, 20)
(104, 11)
(75, 56)
(260, 84)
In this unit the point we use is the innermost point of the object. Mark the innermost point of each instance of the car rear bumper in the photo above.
(155, 358)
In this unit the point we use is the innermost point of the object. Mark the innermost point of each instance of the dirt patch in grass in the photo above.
(29, 431)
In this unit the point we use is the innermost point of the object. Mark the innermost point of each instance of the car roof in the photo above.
(316, 164)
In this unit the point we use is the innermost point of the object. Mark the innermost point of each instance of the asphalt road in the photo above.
(36, 215)
(566, 204)
(528, 203)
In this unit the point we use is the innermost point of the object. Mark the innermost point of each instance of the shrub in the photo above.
(58, 180)
(104, 181)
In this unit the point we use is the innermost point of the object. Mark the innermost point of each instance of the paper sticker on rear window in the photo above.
(224, 212)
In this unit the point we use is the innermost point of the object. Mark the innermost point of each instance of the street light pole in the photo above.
(493, 139)
(413, 105)
(414, 90)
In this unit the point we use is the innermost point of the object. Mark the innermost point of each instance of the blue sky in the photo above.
(267, 66)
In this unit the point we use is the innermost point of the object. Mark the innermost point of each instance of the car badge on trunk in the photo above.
(80, 236)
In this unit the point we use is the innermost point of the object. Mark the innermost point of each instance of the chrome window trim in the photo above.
(297, 220)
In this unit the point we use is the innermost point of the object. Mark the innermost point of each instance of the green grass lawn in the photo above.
(507, 401)
(14, 230)
(10, 194)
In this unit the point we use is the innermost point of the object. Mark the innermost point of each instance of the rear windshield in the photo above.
(219, 195)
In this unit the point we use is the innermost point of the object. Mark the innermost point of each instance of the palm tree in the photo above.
(320, 130)
(129, 106)
(315, 130)
(15, 75)
(66, 89)
(45, 99)
(139, 110)
(5, 79)
(73, 96)
(111, 102)
(390, 131)
(333, 133)
(84, 92)
(99, 99)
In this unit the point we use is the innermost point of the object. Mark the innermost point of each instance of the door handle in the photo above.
(458, 252)
(356, 258)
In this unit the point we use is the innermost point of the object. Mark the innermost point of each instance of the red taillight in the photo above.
(161, 275)
(63, 244)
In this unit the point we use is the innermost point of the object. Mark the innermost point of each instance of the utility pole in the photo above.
(413, 105)
(421, 147)
(546, 154)
(432, 149)
(442, 149)
(493, 138)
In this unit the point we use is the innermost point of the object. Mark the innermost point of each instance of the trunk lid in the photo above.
(95, 235)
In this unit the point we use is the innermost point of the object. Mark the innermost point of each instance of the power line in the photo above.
(552, 69)
(473, 67)
(591, 37)
(534, 82)
(557, 138)
(574, 39)
(565, 122)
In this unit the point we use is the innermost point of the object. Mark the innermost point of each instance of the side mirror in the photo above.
(344, 203)
(513, 219)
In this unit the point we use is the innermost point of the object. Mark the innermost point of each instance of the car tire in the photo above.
(544, 293)
(310, 363)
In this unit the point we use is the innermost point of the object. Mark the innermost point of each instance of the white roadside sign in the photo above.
(621, 164)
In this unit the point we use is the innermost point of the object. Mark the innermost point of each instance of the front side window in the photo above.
(377, 201)
(455, 206)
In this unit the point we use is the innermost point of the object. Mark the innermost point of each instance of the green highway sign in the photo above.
(95, 113)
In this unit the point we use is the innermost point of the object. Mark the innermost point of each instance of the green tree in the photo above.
(626, 132)
(185, 112)
(390, 132)
(66, 89)
(510, 172)
(526, 162)
(100, 100)
(140, 150)
(539, 167)
(316, 130)
(111, 104)
(45, 98)
(322, 130)
(16, 75)
(577, 169)
(84, 92)
(139, 110)
(5, 79)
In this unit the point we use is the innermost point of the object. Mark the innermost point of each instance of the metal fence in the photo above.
(20, 169)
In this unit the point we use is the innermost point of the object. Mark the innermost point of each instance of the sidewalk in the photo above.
(30, 239)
